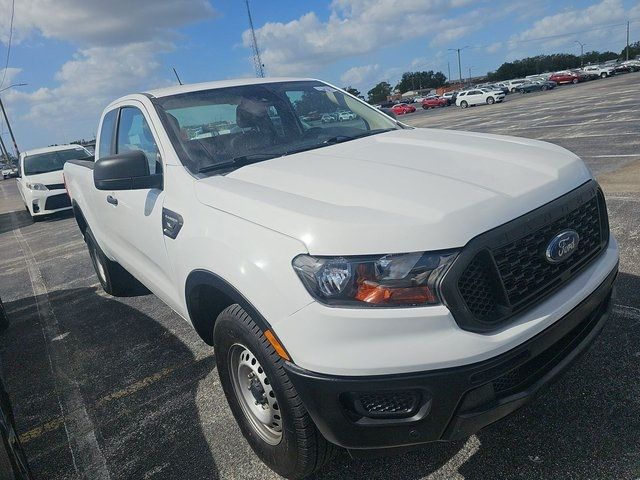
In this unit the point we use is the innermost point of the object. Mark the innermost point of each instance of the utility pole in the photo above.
(459, 62)
(3, 149)
(470, 75)
(6, 119)
(582, 45)
(257, 61)
(449, 71)
(628, 40)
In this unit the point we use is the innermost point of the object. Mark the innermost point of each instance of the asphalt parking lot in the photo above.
(124, 389)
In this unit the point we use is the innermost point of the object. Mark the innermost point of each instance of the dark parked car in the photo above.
(13, 462)
(535, 87)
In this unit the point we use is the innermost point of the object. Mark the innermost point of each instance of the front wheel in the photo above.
(603, 75)
(574, 81)
(491, 101)
(263, 401)
(463, 104)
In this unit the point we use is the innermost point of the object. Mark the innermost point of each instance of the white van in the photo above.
(41, 183)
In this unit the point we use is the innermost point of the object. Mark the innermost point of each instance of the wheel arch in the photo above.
(207, 295)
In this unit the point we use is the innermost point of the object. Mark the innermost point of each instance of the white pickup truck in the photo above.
(364, 283)
(599, 70)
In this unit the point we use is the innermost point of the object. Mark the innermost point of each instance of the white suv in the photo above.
(479, 96)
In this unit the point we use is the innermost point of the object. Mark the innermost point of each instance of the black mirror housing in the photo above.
(125, 171)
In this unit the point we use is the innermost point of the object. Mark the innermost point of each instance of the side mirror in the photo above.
(125, 171)
(388, 111)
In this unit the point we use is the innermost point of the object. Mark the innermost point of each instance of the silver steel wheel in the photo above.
(255, 394)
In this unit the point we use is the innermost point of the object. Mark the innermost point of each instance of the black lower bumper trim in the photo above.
(459, 401)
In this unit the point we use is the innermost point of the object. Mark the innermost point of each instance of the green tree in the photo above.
(313, 102)
(634, 51)
(420, 80)
(379, 93)
(353, 91)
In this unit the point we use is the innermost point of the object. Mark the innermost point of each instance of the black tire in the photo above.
(115, 280)
(301, 449)
(543, 88)
(424, 107)
(603, 75)
(463, 104)
(491, 101)
(574, 81)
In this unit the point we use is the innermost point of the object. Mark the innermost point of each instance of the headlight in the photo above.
(407, 279)
(36, 186)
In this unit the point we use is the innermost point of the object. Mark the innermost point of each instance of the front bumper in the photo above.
(456, 402)
(45, 202)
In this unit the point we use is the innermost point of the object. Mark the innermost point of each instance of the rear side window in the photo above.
(106, 134)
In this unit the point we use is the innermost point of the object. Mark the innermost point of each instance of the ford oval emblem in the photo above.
(562, 246)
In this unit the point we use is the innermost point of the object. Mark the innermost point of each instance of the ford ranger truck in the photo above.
(364, 284)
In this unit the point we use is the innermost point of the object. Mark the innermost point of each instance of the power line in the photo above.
(6, 63)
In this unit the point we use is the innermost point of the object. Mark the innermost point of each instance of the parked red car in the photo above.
(565, 77)
(402, 108)
(433, 102)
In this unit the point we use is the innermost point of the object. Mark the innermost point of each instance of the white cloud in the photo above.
(592, 24)
(360, 76)
(119, 43)
(9, 76)
(104, 22)
(357, 27)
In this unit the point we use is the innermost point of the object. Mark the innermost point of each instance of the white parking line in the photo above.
(88, 460)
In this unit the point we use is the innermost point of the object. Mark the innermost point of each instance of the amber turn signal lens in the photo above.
(277, 346)
(371, 292)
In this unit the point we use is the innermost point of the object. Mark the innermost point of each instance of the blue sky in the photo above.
(78, 55)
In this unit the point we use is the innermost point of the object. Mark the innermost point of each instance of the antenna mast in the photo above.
(257, 62)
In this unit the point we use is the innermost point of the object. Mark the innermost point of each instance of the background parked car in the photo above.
(565, 77)
(451, 96)
(599, 71)
(513, 84)
(433, 102)
(402, 108)
(469, 98)
(535, 86)
(13, 461)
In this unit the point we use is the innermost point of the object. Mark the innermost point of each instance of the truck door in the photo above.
(137, 214)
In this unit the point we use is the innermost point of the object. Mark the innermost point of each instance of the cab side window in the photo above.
(134, 134)
(106, 134)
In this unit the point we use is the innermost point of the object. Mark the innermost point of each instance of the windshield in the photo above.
(52, 161)
(221, 129)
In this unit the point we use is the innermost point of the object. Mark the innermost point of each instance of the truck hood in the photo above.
(402, 191)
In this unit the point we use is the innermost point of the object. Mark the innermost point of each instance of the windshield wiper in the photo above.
(346, 138)
(240, 161)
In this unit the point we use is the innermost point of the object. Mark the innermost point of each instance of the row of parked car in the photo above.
(490, 93)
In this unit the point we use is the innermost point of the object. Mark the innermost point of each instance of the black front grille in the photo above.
(505, 271)
(57, 201)
(522, 265)
(55, 186)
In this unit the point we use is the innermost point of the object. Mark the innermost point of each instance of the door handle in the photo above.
(112, 200)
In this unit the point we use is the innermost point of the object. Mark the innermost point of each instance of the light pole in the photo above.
(459, 63)
(6, 119)
(470, 75)
(582, 45)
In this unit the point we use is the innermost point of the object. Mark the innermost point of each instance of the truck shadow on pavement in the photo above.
(137, 381)
(584, 426)
(23, 219)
